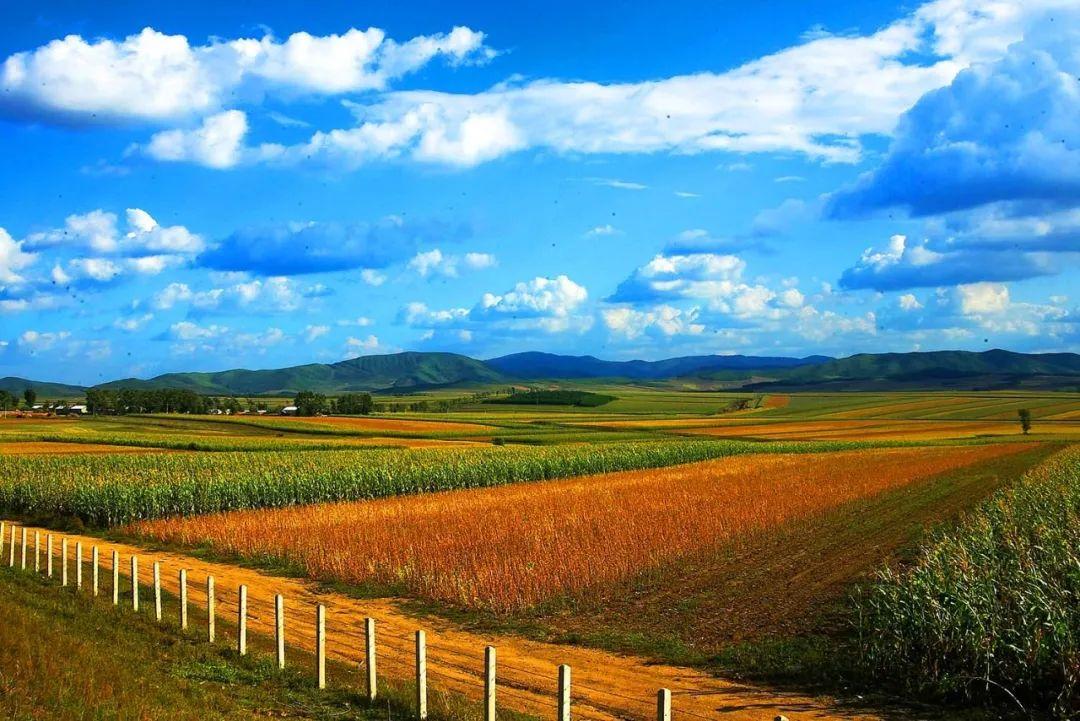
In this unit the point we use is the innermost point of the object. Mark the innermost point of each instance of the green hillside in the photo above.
(397, 371)
(941, 369)
(16, 386)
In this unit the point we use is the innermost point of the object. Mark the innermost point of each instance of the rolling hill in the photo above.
(414, 371)
(398, 371)
(16, 386)
(534, 365)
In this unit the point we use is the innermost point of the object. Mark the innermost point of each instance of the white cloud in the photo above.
(686, 194)
(983, 298)
(131, 324)
(435, 262)
(314, 332)
(361, 346)
(275, 294)
(908, 301)
(372, 277)
(602, 230)
(13, 259)
(217, 143)
(541, 296)
(361, 322)
(153, 76)
(418, 315)
(664, 319)
(33, 340)
(817, 99)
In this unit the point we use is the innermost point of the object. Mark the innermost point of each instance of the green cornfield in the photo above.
(990, 610)
(105, 490)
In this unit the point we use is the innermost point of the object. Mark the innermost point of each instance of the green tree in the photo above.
(309, 403)
(7, 401)
(1025, 420)
(30, 396)
(355, 404)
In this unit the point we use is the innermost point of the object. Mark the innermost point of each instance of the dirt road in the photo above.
(605, 686)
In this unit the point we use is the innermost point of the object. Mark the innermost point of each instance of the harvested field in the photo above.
(866, 430)
(512, 547)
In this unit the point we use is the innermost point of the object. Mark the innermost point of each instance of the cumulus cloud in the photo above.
(903, 264)
(435, 262)
(274, 294)
(154, 76)
(550, 298)
(13, 259)
(817, 99)
(217, 143)
(664, 320)
(297, 248)
(1001, 131)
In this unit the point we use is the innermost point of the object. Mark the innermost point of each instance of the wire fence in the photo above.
(293, 624)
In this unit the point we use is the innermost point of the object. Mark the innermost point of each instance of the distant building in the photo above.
(78, 409)
(289, 411)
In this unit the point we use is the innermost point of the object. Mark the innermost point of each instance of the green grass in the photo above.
(69, 657)
(580, 399)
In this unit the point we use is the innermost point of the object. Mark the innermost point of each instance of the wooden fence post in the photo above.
(157, 590)
(421, 676)
(489, 683)
(63, 561)
(279, 629)
(210, 609)
(23, 555)
(183, 599)
(320, 645)
(48, 560)
(95, 560)
(134, 583)
(115, 578)
(372, 677)
(3, 527)
(37, 551)
(78, 565)
(663, 705)
(241, 622)
(11, 550)
(564, 693)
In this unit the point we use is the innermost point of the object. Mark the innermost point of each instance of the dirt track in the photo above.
(605, 686)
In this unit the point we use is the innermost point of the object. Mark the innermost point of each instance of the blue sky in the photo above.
(200, 190)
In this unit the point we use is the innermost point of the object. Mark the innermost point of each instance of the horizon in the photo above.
(623, 182)
(486, 360)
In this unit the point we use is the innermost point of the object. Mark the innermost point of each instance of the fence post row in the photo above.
(134, 583)
(421, 675)
(279, 629)
(369, 635)
(241, 622)
(210, 609)
(663, 705)
(157, 590)
(564, 693)
(320, 645)
(183, 599)
(489, 683)
(116, 578)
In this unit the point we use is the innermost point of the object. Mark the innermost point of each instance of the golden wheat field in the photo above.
(512, 547)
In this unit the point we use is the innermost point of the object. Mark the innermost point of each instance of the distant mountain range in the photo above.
(413, 371)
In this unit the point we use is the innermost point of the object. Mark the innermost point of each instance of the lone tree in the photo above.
(1025, 419)
(30, 396)
(309, 403)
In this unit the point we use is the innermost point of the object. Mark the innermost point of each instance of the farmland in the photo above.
(491, 549)
(721, 530)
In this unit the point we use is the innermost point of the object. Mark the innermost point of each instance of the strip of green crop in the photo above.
(990, 610)
(105, 490)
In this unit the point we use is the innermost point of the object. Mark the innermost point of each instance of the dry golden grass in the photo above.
(512, 547)
(859, 430)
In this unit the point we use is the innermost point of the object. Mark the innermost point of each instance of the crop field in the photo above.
(493, 548)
